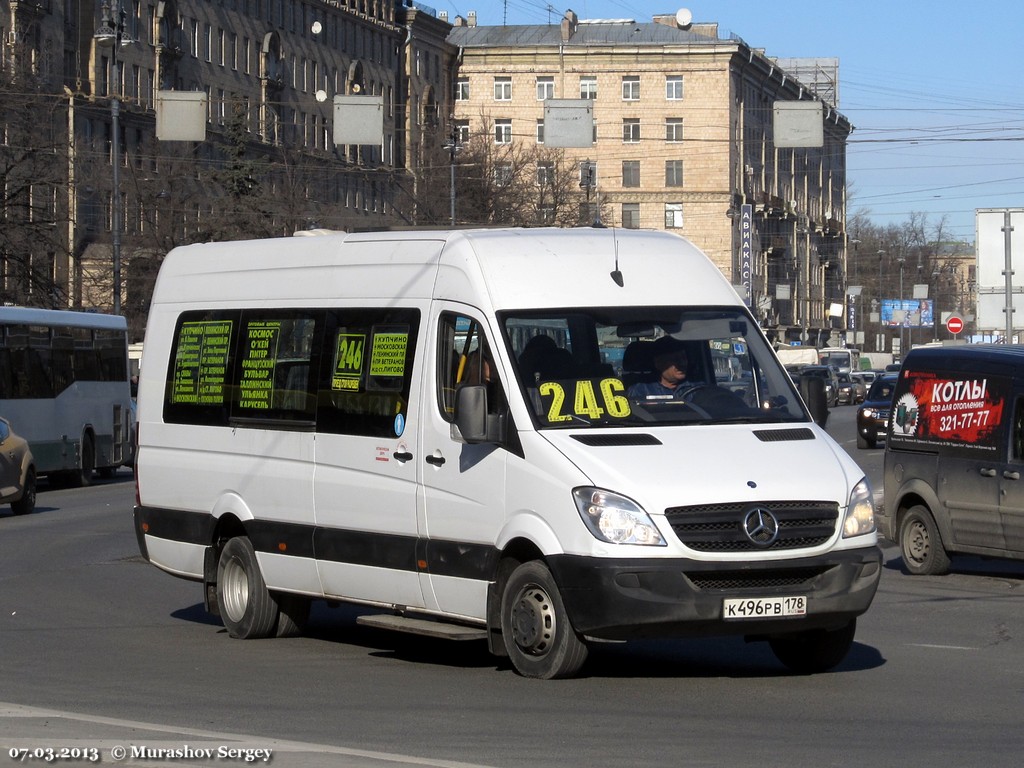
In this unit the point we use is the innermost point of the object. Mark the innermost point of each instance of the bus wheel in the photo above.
(921, 545)
(83, 477)
(246, 607)
(27, 503)
(815, 650)
(538, 636)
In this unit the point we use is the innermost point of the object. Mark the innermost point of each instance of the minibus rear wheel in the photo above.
(538, 635)
(921, 545)
(246, 607)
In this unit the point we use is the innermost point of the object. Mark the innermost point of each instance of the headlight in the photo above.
(616, 519)
(860, 513)
(869, 413)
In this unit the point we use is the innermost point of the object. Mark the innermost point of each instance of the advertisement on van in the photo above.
(939, 409)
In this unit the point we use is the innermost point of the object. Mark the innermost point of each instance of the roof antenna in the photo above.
(616, 274)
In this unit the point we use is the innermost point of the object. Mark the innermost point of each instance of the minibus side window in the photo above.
(199, 373)
(276, 365)
(1018, 430)
(366, 375)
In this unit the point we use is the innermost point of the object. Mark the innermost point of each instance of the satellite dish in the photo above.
(317, 28)
(321, 95)
(684, 18)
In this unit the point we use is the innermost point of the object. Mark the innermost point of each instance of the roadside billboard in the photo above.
(909, 313)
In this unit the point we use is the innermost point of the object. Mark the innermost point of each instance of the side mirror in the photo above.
(812, 390)
(471, 414)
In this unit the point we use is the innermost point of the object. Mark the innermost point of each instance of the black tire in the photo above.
(536, 630)
(26, 505)
(921, 545)
(864, 442)
(294, 613)
(246, 607)
(814, 650)
(83, 477)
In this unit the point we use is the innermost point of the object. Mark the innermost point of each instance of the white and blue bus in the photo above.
(64, 387)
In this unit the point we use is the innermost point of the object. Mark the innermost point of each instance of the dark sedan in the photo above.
(873, 414)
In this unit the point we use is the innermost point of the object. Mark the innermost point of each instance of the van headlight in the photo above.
(860, 513)
(616, 519)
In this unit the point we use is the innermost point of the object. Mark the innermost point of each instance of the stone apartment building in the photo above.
(683, 140)
(683, 130)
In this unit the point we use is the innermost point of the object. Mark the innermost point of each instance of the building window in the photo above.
(503, 131)
(545, 174)
(461, 131)
(673, 173)
(503, 89)
(631, 88)
(673, 129)
(673, 215)
(631, 215)
(631, 130)
(462, 89)
(546, 214)
(673, 87)
(631, 173)
(502, 174)
(545, 88)
(588, 87)
(540, 131)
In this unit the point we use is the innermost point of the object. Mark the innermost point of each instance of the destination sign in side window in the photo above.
(275, 365)
(956, 410)
(200, 363)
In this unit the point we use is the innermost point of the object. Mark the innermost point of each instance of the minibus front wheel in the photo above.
(538, 635)
(246, 606)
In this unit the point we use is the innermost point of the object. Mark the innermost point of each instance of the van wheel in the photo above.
(294, 613)
(536, 630)
(246, 607)
(26, 505)
(921, 545)
(816, 650)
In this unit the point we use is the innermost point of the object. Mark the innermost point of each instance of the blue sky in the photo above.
(935, 90)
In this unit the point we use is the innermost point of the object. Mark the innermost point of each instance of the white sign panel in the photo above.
(181, 115)
(568, 123)
(799, 123)
(359, 120)
(990, 250)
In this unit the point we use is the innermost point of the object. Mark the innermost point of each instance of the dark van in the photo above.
(954, 456)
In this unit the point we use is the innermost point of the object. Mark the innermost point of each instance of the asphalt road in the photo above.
(100, 651)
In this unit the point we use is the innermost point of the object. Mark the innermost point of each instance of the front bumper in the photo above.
(624, 599)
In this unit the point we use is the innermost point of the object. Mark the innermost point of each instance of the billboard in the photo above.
(909, 313)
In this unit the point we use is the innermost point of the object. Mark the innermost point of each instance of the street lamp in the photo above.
(110, 34)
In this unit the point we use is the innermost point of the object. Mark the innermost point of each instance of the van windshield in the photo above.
(626, 366)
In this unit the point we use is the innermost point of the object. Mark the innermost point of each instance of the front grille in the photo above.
(719, 527)
(769, 579)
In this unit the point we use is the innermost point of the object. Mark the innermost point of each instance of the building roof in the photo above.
(588, 32)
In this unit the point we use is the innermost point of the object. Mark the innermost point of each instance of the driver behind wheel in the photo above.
(670, 362)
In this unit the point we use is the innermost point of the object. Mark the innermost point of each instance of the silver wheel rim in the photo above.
(234, 589)
(917, 543)
(533, 621)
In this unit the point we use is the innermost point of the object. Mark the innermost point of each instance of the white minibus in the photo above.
(463, 432)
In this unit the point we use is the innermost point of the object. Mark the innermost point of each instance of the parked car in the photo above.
(852, 389)
(822, 372)
(17, 471)
(873, 414)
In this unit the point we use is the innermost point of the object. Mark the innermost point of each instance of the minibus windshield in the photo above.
(627, 366)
